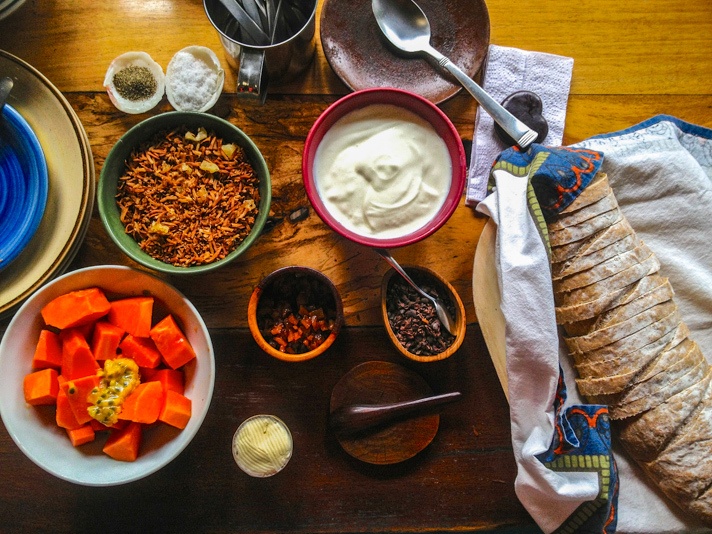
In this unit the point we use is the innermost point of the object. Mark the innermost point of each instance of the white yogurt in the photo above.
(382, 171)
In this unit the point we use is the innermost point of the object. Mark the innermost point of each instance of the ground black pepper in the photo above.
(412, 317)
(135, 83)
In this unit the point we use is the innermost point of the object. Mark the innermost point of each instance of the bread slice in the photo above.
(589, 308)
(683, 469)
(579, 216)
(646, 435)
(627, 349)
(583, 262)
(618, 281)
(688, 377)
(586, 229)
(592, 243)
(606, 385)
(610, 334)
(604, 270)
(588, 368)
(599, 309)
(598, 372)
(682, 358)
(675, 351)
(648, 292)
(598, 188)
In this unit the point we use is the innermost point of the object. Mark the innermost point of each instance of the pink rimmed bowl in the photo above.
(413, 103)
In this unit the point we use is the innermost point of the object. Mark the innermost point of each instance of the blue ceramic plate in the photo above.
(23, 184)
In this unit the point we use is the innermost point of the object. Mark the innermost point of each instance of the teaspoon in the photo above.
(447, 321)
(355, 418)
(405, 25)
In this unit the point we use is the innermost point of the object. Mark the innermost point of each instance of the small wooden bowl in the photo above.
(331, 304)
(445, 288)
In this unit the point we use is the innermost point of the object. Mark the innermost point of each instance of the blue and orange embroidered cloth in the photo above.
(557, 174)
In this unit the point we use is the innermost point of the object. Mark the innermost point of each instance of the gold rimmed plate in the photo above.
(359, 54)
(70, 168)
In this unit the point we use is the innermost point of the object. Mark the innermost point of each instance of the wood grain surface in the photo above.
(632, 60)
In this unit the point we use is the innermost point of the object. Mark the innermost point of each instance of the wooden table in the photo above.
(632, 61)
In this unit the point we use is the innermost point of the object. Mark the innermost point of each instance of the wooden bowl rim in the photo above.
(460, 318)
(252, 314)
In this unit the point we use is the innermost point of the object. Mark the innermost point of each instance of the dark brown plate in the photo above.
(380, 383)
(362, 58)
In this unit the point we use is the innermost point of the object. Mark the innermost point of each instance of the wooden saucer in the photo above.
(379, 382)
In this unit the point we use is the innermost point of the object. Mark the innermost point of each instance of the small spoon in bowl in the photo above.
(407, 28)
(447, 321)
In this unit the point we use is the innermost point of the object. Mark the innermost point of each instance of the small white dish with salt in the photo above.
(194, 79)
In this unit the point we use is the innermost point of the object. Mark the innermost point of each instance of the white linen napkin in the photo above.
(508, 70)
(661, 173)
(532, 344)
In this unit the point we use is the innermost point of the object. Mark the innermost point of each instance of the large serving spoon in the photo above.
(447, 321)
(355, 418)
(405, 25)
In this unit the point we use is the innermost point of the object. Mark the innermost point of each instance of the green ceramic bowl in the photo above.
(113, 168)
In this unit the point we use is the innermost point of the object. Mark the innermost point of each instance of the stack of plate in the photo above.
(23, 184)
(70, 168)
(9, 6)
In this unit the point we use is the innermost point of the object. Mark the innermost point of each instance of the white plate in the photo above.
(487, 299)
(70, 167)
(33, 428)
(8, 7)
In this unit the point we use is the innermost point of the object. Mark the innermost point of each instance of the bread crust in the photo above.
(631, 348)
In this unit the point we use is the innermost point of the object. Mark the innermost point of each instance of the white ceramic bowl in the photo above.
(34, 430)
(188, 75)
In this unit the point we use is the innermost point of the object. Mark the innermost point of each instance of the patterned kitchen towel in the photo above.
(508, 70)
(566, 474)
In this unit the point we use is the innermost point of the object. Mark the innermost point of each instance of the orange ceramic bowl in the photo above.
(300, 300)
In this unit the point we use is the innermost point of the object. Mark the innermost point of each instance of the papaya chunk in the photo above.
(77, 358)
(41, 387)
(172, 379)
(172, 343)
(124, 444)
(177, 410)
(133, 314)
(76, 308)
(65, 416)
(142, 350)
(48, 352)
(105, 340)
(80, 436)
(144, 404)
(77, 391)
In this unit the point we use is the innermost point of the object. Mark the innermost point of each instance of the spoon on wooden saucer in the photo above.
(355, 418)
(407, 28)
